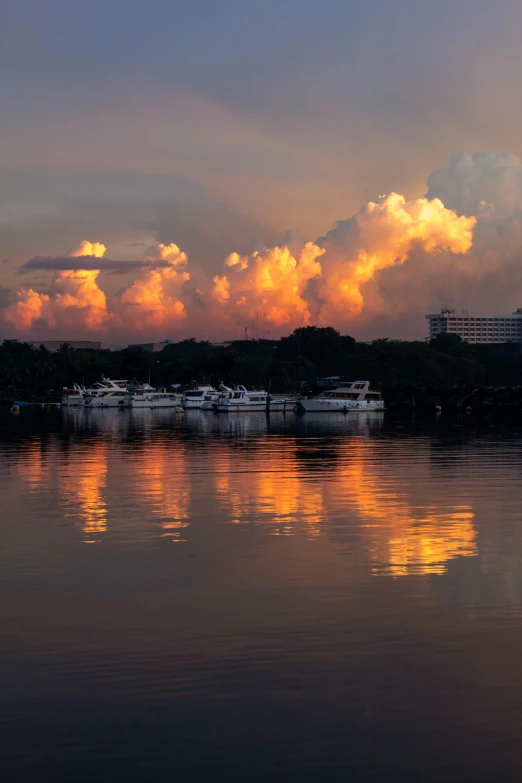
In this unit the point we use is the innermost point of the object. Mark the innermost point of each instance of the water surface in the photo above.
(198, 597)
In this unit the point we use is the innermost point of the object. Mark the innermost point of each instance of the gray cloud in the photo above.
(58, 263)
(107, 207)
(487, 184)
(208, 230)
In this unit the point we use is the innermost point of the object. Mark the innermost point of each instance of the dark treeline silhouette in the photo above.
(288, 364)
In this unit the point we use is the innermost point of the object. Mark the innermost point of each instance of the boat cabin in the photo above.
(353, 390)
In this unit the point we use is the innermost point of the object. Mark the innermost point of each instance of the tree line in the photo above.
(290, 364)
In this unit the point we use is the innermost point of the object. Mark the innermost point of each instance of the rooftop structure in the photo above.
(151, 347)
(491, 329)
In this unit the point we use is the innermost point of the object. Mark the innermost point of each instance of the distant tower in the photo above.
(246, 332)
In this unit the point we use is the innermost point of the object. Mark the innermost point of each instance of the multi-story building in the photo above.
(496, 329)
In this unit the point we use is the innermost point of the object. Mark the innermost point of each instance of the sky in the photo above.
(240, 158)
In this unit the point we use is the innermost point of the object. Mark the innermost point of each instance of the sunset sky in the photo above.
(171, 169)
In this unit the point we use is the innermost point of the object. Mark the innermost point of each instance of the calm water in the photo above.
(202, 597)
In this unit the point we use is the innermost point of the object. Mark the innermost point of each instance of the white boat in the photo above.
(72, 398)
(153, 399)
(106, 394)
(240, 399)
(199, 395)
(352, 396)
(80, 395)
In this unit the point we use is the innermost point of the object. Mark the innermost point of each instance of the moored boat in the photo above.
(200, 394)
(72, 398)
(106, 394)
(352, 396)
(240, 399)
(153, 399)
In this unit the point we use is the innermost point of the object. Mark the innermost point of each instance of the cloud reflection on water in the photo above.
(282, 483)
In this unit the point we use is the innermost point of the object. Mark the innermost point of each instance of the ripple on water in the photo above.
(289, 595)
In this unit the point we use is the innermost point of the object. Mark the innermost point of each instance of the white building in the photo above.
(497, 329)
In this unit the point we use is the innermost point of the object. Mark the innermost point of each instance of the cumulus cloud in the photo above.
(171, 255)
(376, 272)
(293, 284)
(383, 234)
(30, 308)
(271, 282)
(87, 248)
(485, 184)
(154, 300)
(486, 280)
(75, 300)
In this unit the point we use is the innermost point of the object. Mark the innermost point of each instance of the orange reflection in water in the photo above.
(428, 539)
(84, 489)
(161, 484)
(402, 537)
(33, 469)
(270, 489)
(361, 496)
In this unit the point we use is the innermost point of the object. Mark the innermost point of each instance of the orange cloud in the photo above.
(289, 285)
(28, 308)
(272, 282)
(86, 248)
(75, 299)
(154, 299)
(382, 234)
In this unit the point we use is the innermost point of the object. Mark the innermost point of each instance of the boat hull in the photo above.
(108, 403)
(246, 407)
(241, 408)
(155, 404)
(326, 405)
(197, 403)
